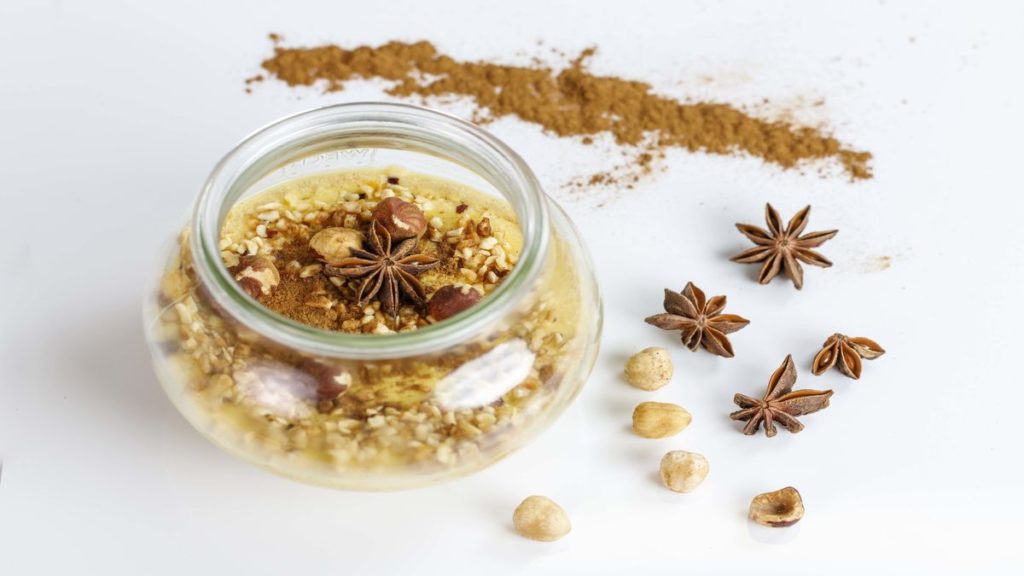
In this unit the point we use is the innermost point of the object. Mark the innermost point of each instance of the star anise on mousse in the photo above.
(700, 320)
(388, 270)
(846, 352)
(783, 248)
(779, 403)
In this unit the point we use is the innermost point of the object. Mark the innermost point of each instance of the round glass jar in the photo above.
(418, 406)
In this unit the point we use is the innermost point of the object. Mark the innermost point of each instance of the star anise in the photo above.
(387, 271)
(779, 404)
(782, 249)
(700, 320)
(846, 352)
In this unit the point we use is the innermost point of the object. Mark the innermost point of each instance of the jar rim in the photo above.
(452, 138)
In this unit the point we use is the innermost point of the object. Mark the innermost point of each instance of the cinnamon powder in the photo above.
(569, 102)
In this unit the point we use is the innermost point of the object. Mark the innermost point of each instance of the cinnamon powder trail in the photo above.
(568, 102)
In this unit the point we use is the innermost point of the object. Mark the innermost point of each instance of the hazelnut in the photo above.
(659, 419)
(331, 381)
(540, 518)
(483, 228)
(400, 218)
(777, 509)
(649, 369)
(450, 300)
(257, 275)
(333, 245)
(683, 471)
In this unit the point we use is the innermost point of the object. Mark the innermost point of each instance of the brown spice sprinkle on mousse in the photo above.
(375, 263)
(570, 102)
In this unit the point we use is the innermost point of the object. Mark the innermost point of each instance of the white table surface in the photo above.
(112, 113)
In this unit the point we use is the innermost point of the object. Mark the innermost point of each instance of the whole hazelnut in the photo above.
(540, 518)
(331, 381)
(777, 509)
(649, 369)
(451, 300)
(659, 419)
(400, 218)
(333, 245)
(257, 275)
(683, 471)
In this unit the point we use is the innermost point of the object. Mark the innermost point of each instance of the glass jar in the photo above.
(420, 406)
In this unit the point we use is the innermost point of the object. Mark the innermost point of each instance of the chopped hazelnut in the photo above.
(401, 219)
(777, 509)
(483, 228)
(333, 245)
(659, 419)
(257, 275)
(649, 369)
(540, 518)
(451, 300)
(683, 471)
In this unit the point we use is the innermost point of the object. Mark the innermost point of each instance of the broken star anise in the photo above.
(700, 320)
(845, 352)
(387, 270)
(779, 404)
(782, 249)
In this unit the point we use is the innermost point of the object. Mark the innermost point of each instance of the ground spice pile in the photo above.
(568, 102)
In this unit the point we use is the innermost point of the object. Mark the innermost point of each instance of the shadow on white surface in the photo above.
(773, 536)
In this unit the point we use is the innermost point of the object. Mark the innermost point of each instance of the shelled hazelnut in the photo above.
(777, 509)
(683, 471)
(659, 419)
(401, 219)
(333, 245)
(257, 275)
(649, 369)
(540, 518)
(331, 381)
(451, 300)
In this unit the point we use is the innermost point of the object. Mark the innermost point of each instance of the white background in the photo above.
(112, 114)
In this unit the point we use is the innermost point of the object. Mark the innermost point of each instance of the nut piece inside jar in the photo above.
(451, 300)
(334, 244)
(401, 219)
(257, 275)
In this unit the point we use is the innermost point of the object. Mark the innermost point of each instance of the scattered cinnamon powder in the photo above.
(569, 102)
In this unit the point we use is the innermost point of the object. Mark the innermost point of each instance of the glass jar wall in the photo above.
(404, 408)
